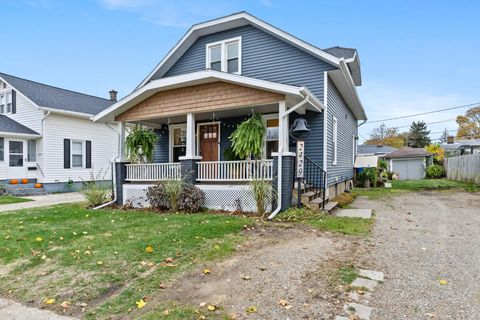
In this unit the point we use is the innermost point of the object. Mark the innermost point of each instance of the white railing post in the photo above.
(245, 170)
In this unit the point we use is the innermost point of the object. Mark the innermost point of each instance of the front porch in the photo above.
(194, 115)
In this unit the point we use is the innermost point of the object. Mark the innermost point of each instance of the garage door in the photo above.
(411, 169)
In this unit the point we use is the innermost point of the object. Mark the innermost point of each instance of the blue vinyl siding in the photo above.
(347, 127)
(161, 148)
(268, 58)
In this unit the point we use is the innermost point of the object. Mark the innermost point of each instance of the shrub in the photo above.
(192, 199)
(261, 192)
(95, 193)
(158, 197)
(368, 174)
(382, 164)
(435, 171)
(174, 195)
(173, 188)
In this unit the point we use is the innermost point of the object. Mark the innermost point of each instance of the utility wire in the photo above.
(428, 123)
(429, 112)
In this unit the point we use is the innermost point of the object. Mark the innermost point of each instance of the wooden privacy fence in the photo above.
(464, 168)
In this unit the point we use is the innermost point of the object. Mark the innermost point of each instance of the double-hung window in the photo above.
(334, 140)
(2, 149)
(5, 102)
(77, 154)
(225, 56)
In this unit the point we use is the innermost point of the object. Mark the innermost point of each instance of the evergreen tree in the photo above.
(418, 135)
(444, 136)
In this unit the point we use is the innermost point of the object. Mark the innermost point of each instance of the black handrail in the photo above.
(315, 177)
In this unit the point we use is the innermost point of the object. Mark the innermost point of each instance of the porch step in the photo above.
(329, 206)
(27, 189)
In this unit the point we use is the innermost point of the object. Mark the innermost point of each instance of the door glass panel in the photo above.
(15, 154)
(16, 147)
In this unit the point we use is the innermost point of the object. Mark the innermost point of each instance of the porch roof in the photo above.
(10, 127)
(293, 95)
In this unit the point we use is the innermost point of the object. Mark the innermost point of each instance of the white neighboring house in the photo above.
(47, 136)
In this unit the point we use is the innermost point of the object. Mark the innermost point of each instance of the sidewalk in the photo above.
(15, 311)
(44, 201)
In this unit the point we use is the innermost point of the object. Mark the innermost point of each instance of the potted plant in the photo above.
(140, 144)
(247, 139)
(3, 189)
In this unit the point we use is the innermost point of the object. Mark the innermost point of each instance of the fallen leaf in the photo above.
(443, 282)
(162, 286)
(65, 304)
(169, 259)
(149, 249)
(283, 303)
(99, 263)
(245, 277)
(232, 316)
(251, 309)
(49, 301)
(166, 312)
(203, 304)
(206, 271)
(38, 239)
(211, 307)
(140, 303)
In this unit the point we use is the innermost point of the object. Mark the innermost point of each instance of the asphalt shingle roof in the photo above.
(56, 98)
(407, 152)
(341, 52)
(374, 149)
(12, 126)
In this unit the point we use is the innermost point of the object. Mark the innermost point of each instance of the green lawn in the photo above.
(399, 186)
(320, 221)
(7, 199)
(98, 260)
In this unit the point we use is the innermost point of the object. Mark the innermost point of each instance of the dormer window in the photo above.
(225, 56)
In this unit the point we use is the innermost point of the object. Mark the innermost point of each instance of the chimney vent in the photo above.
(113, 95)
(450, 139)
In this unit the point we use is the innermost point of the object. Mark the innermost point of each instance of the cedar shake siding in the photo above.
(199, 98)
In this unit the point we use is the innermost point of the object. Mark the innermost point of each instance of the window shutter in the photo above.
(88, 154)
(14, 101)
(66, 153)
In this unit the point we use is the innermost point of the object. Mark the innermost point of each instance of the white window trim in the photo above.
(266, 117)
(335, 140)
(83, 154)
(219, 123)
(223, 57)
(171, 129)
(5, 92)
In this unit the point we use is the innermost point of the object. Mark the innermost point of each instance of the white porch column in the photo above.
(121, 141)
(190, 147)
(282, 127)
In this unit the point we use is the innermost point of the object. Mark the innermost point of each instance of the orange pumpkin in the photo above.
(14, 181)
(24, 181)
(38, 185)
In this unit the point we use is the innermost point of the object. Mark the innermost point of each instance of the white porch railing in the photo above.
(235, 170)
(153, 171)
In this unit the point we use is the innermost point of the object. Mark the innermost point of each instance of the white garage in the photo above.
(408, 163)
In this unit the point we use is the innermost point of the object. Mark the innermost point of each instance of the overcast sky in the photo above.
(416, 56)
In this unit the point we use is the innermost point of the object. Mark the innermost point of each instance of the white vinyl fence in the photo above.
(464, 168)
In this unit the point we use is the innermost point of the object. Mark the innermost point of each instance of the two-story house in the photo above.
(215, 77)
(47, 136)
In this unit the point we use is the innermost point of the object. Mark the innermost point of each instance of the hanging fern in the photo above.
(140, 144)
(247, 139)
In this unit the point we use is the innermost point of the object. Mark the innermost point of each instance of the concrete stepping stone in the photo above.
(372, 275)
(341, 318)
(357, 297)
(361, 311)
(364, 283)
(354, 213)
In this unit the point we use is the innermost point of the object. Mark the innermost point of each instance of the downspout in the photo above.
(114, 176)
(43, 144)
(280, 152)
(361, 124)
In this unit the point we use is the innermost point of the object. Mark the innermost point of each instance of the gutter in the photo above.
(361, 124)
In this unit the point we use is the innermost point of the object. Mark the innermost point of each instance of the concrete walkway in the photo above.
(15, 311)
(44, 201)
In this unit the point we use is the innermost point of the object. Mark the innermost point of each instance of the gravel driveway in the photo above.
(419, 240)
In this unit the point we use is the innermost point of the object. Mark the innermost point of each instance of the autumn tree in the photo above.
(437, 151)
(469, 124)
(418, 135)
(386, 136)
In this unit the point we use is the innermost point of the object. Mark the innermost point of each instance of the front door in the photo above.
(209, 140)
(16, 159)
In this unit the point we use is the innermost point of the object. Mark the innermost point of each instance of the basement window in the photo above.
(225, 56)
